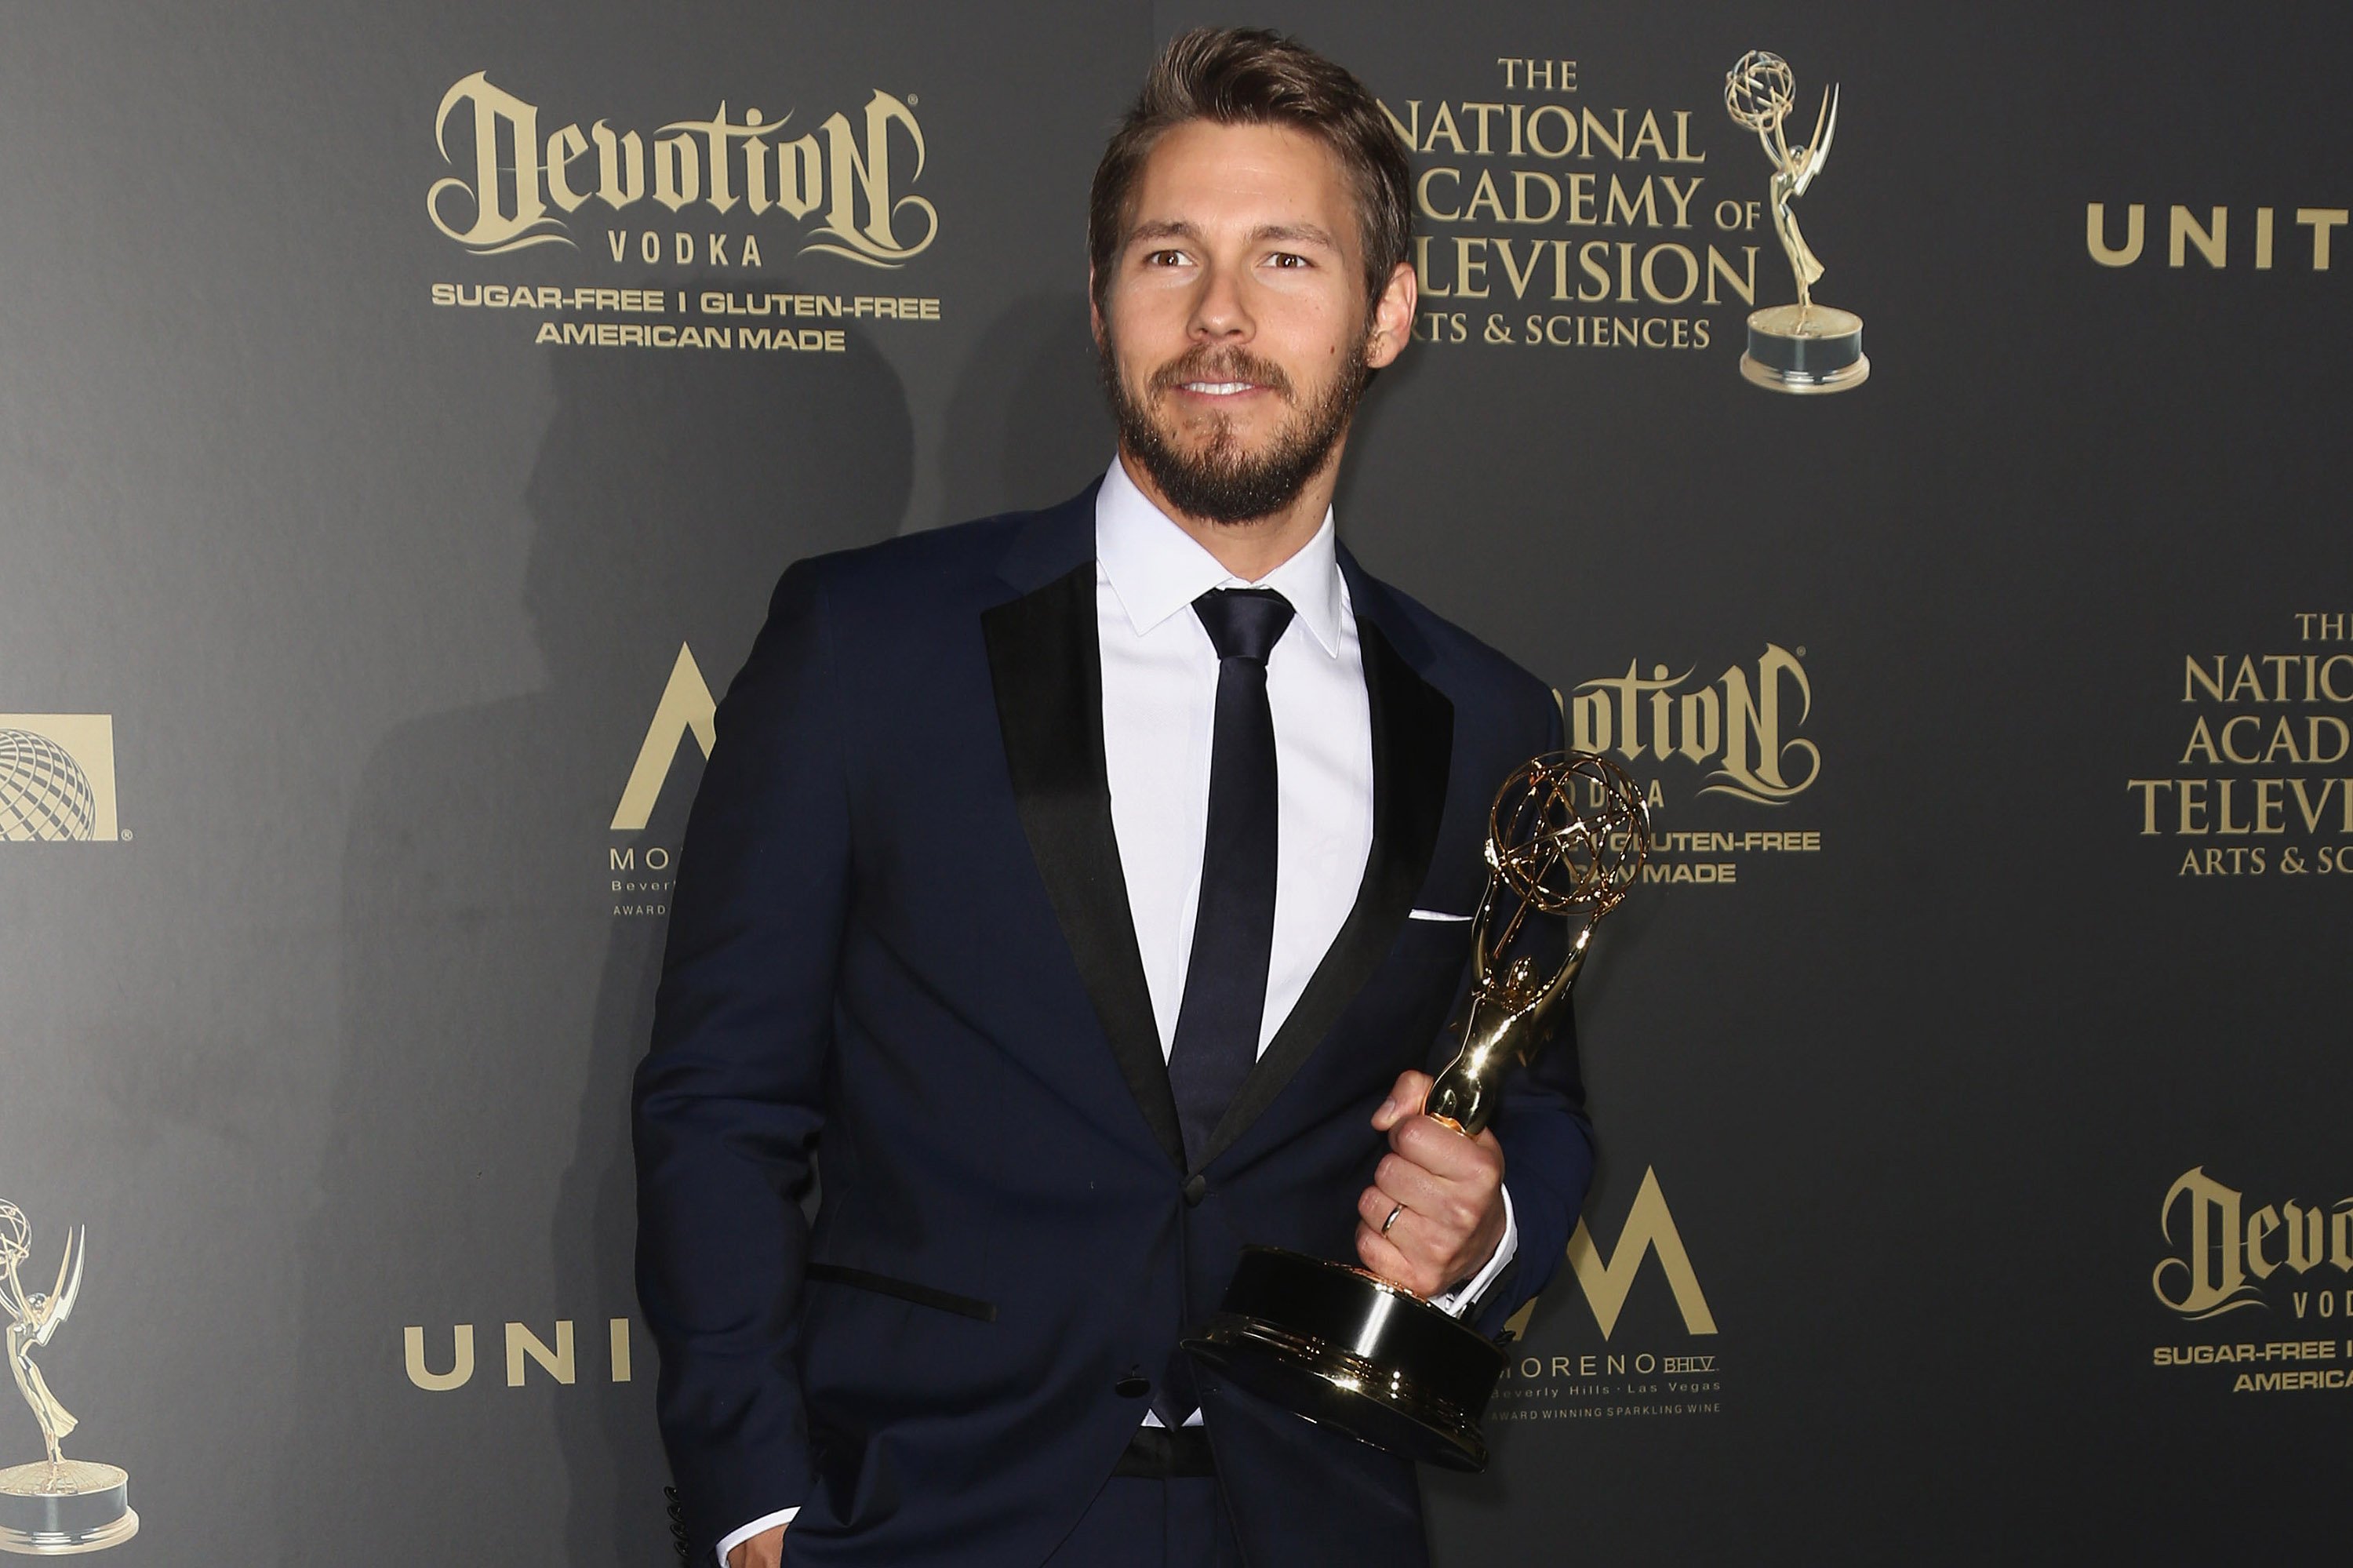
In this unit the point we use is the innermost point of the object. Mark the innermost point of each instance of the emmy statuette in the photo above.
(59, 1506)
(1803, 347)
(1341, 1346)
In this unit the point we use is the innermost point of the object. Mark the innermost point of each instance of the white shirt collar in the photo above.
(1156, 568)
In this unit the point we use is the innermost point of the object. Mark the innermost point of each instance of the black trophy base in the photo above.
(1349, 1351)
(57, 1510)
(1805, 348)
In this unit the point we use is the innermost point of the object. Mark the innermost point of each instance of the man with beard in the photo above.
(1096, 884)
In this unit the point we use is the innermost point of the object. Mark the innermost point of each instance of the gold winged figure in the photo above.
(1760, 91)
(34, 1316)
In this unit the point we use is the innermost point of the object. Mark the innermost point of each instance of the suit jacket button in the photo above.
(1132, 1387)
(1197, 1187)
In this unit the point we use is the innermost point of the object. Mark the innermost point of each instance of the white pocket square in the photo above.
(1434, 915)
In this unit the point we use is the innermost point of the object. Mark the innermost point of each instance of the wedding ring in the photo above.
(1392, 1219)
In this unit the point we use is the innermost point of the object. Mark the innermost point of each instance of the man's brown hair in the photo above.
(1249, 76)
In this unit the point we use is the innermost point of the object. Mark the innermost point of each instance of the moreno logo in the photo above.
(686, 707)
(1607, 1278)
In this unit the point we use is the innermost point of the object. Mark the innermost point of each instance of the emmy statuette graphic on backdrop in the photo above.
(1803, 347)
(1342, 1347)
(52, 1508)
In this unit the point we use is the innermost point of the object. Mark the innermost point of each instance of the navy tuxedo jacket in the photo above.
(899, 931)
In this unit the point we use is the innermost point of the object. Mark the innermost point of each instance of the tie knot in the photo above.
(1243, 623)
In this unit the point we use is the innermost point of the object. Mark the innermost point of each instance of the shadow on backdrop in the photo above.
(1027, 424)
(494, 1004)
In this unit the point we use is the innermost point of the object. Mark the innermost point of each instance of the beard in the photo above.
(1218, 481)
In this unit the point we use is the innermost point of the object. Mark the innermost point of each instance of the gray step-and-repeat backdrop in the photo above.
(405, 408)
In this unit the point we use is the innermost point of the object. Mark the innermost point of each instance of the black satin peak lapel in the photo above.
(1413, 748)
(1048, 672)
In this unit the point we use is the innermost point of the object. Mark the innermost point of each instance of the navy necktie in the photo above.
(1233, 928)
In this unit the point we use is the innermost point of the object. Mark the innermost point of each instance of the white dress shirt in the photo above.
(1160, 694)
(1160, 699)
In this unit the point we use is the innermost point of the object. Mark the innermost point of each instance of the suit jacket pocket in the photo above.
(904, 1289)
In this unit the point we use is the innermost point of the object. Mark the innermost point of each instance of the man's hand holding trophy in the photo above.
(1342, 1345)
